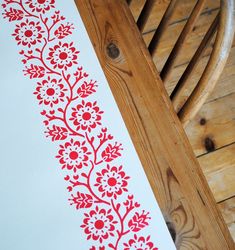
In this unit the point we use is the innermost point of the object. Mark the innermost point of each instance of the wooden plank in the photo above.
(163, 148)
(227, 209)
(214, 126)
(219, 169)
(226, 83)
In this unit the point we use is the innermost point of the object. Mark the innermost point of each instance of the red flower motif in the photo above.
(13, 14)
(28, 33)
(73, 155)
(86, 116)
(140, 243)
(40, 5)
(112, 181)
(99, 224)
(50, 92)
(63, 55)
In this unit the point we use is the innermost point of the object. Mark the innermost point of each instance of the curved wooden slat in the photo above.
(143, 18)
(177, 96)
(215, 65)
(165, 73)
(162, 27)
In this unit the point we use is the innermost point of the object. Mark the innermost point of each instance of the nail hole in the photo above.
(113, 51)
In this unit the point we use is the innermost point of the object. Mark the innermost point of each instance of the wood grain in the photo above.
(219, 169)
(218, 128)
(226, 83)
(136, 7)
(173, 172)
(227, 209)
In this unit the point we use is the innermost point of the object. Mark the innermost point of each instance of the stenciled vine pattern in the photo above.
(87, 151)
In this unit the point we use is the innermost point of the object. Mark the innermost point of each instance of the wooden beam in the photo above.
(171, 167)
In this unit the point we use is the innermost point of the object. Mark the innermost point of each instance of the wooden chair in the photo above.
(188, 105)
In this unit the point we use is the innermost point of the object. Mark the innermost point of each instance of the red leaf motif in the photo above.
(111, 152)
(81, 200)
(34, 71)
(63, 31)
(57, 17)
(13, 14)
(138, 221)
(57, 133)
(98, 248)
(87, 89)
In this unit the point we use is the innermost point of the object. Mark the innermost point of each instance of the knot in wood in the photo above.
(209, 144)
(113, 51)
(203, 121)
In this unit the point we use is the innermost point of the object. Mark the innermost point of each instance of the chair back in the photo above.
(187, 99)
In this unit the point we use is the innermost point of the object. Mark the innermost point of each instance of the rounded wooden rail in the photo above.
(215, 65)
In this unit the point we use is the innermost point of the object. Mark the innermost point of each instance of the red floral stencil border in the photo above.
(87, 151)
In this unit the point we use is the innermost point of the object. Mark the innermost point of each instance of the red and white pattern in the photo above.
(97, 185)
(139, 243)
(28, 33)
(50, 91)
(63, 55)
(40, 5)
